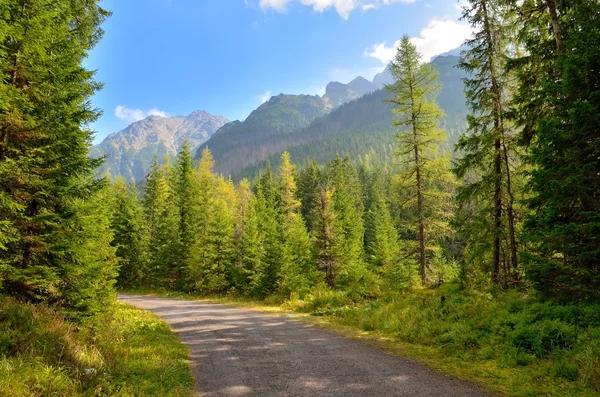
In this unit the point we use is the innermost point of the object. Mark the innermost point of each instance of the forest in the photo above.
(489, 253)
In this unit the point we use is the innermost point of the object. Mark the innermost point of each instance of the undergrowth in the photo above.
(125, 352)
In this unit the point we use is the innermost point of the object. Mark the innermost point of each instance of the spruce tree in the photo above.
(325, 235)
(216, 270)
(252, 250)
(309, 179)
(562, 121)
(45, 173)
(268, 206)
(487, 216)
(156, 217)
(183, 198)
(381, 237)
(349, 223)
(424, 172)
(205, 186)
(129, 234)
(296, 249)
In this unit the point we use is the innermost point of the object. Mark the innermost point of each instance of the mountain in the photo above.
(338, 93)
(363, 127)
(130, 152)
(242, 143)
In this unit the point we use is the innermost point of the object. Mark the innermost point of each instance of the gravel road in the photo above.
(237, 352)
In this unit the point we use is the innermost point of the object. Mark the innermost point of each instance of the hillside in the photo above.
(130, 152)
(242, 143)
(364, 125)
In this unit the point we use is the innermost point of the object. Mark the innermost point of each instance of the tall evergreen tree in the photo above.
(419, 138)
(45, 172)
(325, 235)
(296, 254)
(204, 208)
(252, 251)
(158, 221)
(486, 215)
(348, 206)
(129, 234)
(381, 237)
(309, 179)
(218, 263)
(562, 120)
(183, 198)
(266, 279)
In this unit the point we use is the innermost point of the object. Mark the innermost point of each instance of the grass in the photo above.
(509, 343)
(125, 352)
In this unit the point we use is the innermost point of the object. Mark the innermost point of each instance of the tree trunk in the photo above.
(511, 216)
(498, 129)
(497, 212)
(422, 270)
(558, 36)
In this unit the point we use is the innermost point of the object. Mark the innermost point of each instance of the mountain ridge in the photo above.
(130, 152)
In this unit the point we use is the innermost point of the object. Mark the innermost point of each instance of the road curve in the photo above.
(237, 352)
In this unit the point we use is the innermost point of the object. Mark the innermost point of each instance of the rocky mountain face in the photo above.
(337, 93)
(130, 152)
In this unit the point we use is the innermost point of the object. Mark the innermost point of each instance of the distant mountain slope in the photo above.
(242, 143)
(364, 126)
(130, 152)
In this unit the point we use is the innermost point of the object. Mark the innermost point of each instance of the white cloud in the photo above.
(132, 115)
(265, 97)
(343, 7)
(439, 36)
(278, 5)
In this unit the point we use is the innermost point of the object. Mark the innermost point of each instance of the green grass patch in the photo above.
(125, 352)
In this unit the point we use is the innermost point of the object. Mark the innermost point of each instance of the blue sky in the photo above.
(171, 57)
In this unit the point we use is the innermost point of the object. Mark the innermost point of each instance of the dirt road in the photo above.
(237, 352)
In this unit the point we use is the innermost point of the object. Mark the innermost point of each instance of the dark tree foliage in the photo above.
(564, 228)
(45, 172)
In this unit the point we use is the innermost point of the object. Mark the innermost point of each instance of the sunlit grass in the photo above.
(126, 352)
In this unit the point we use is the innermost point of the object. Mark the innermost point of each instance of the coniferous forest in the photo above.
(489, 253)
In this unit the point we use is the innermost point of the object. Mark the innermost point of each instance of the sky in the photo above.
(171, 57)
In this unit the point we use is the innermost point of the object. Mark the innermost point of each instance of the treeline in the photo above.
(289, 231)
(518, 206)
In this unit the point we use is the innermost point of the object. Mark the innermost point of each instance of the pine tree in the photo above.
(486, 216)
(268, 212)
(156, 217)
(251, 251)
(381, 238)
(562, 122)
(183, 198)
(348, 223)
(325, 235)
(91, 269)
(424, 172)
(216, 271)
(296, 249)
(309, 179)
(45, 172)
(129, 234)
(204, 203)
